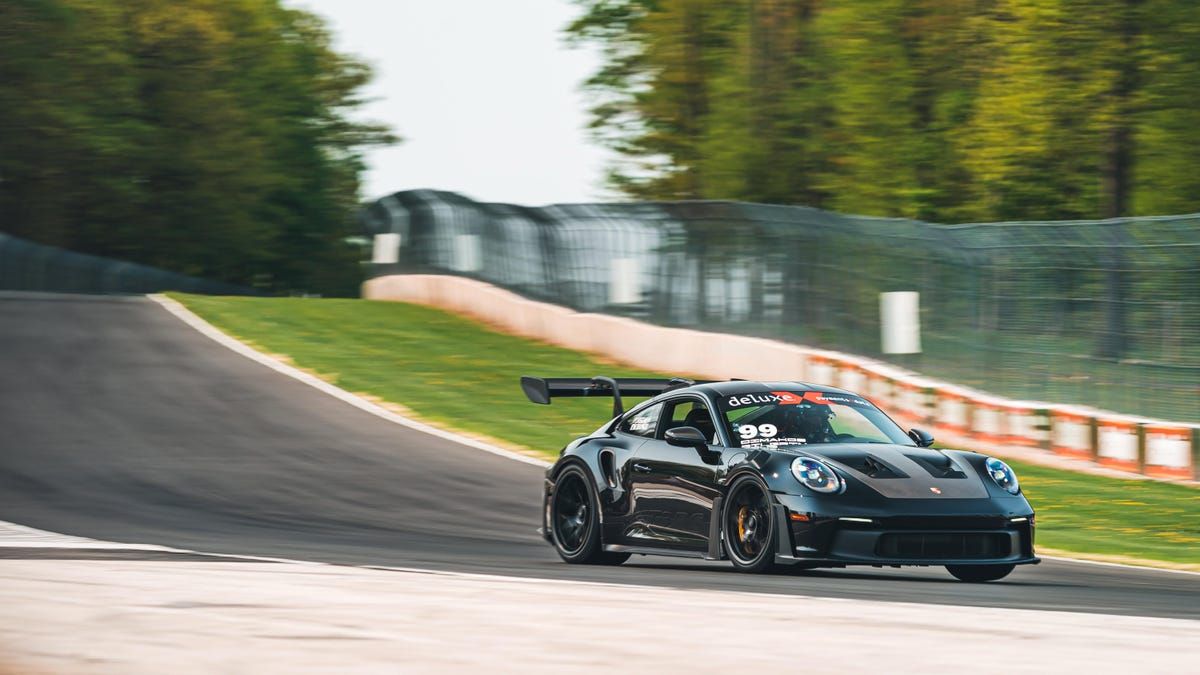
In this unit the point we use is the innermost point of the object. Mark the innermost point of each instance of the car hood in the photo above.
(903, 472)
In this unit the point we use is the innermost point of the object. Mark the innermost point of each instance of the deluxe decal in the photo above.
(794, 398)
(752, 399)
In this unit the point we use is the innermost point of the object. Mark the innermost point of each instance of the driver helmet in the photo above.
(810, 421)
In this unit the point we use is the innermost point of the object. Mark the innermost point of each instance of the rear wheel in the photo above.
(575, 521)
(979, 573)
(748, 526)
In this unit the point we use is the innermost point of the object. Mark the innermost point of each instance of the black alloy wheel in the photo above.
(748, 526)
(575, 521)
(979, 573)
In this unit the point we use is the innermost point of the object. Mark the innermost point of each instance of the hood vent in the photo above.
(939, 467)
(874, 468)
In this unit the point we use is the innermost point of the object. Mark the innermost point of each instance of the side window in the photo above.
(644, 423)
(690, 413)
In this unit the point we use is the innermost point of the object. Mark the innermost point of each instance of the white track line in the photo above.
(207, 329)
(1105, 563)
(13, 535)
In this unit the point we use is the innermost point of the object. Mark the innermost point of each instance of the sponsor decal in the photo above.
(794, 398)
(641, 424)
(752, 399)
(764, 436)
(832, 399)
(773, 442)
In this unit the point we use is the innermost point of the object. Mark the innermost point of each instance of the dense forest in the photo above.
(208, 137)
(943, 110)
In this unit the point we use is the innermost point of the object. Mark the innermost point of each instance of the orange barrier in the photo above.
(987, 421)
(851, 376)
(1168, 450)
(822, 370)
(953, 410)
(1118, 444)
(880, 389)
(913, 401)
(1071, 432)
(1155, 447)
(1026, 424)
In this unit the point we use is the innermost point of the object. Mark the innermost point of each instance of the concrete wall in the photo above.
(969, 418)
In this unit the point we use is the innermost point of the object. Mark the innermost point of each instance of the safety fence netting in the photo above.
(28, 266)
(1099, 313)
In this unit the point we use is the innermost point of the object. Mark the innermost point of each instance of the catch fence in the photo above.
(1097, 313)
(27, 266)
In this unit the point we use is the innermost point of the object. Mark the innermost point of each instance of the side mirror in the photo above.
(686, 437)
(922, 438)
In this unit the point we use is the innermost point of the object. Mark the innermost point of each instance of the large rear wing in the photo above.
(543, 389)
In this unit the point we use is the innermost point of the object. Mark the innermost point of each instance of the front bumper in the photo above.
(894, 540)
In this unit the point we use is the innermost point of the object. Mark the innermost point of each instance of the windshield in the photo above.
(778, 418)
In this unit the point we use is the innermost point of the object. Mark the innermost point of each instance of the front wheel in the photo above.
(979, 573)
(575, 521)
(748, 526)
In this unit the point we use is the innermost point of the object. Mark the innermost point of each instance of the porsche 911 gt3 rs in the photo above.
(764, 474)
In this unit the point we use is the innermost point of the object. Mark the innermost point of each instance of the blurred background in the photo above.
(768, 166)
(982, 214)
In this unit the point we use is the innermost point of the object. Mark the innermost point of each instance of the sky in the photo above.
(484, 93)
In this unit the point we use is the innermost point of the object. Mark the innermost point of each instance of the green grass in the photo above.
(458, 374)
(1090, 514)
(444, 368)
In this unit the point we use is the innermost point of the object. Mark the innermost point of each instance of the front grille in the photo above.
(957, 523)
(945, 545)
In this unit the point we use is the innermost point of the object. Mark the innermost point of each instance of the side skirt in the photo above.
(650, 550)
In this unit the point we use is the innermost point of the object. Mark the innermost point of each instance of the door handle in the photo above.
(641, 468)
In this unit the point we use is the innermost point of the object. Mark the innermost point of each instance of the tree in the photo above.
(946, 110)
(208, 137)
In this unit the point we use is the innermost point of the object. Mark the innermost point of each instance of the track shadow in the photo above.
(832, 574)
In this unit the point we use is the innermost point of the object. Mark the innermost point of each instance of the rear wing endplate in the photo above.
(543, 389)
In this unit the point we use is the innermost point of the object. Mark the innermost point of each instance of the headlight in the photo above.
(816, 475)
(1003, 475)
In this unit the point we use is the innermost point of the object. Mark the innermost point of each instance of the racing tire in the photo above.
(575, 520)
(748, 526)
(979, 573)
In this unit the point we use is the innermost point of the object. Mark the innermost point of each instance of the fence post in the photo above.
(1095, 439)
(1141, 448)
(1196, 453)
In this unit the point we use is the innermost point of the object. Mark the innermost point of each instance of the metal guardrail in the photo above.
(1097, 313)
(26, 266)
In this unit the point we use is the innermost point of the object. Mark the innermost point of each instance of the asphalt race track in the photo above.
(120, 422)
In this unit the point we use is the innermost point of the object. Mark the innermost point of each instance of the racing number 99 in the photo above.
(749, 431)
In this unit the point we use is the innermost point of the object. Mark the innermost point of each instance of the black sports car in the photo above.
(774, 473)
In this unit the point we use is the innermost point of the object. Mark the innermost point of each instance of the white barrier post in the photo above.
(624, 287)
(900, 322)
(466, 253)
(386, 250)
(1169, 450)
